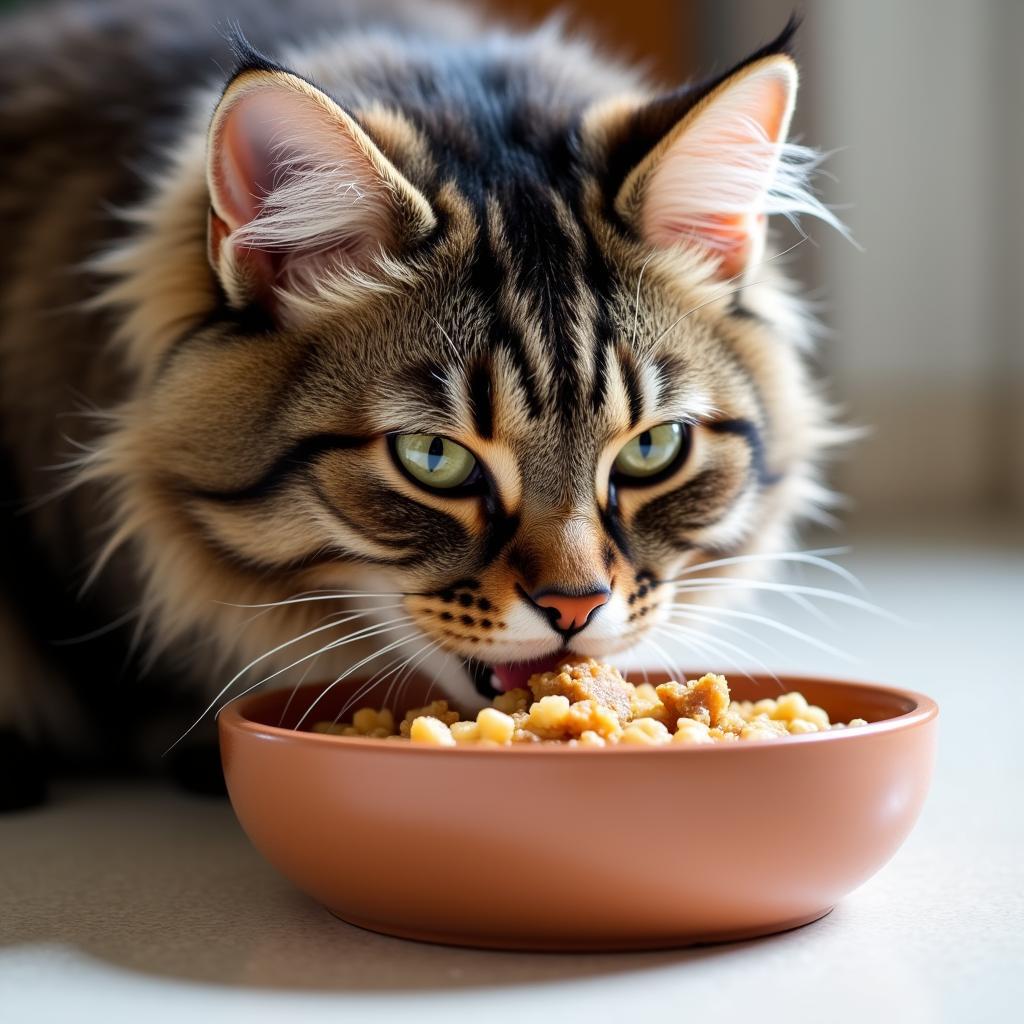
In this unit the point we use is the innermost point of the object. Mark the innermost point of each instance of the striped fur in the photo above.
(239, 454)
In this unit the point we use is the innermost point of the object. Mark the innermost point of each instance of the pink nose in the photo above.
(573, 611)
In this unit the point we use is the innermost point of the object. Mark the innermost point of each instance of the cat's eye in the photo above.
(436, 462)
(653, 454)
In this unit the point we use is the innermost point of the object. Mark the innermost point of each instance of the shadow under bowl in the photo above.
(551, 848)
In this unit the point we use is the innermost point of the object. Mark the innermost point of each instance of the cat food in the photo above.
(589, 704)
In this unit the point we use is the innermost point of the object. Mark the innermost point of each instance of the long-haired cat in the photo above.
(373, 340)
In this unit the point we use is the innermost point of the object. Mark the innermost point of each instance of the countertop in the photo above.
(133, 902)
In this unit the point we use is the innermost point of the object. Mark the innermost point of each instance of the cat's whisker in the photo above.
(721, 644)
(121, 620)
(405, 671)
(384, 672)
(447, 337)
(364, 633)
(816, 558)
(636, 303)
(672, 668)
(710, 613)
(280, 647)
(392, 668)
(707, 302)
(323, 650)
(316, 595)
(716, 646)
(805, 604)
(295, 690)
(358, 665)
(718, 583)
(406, 674)
(730, 291)
(678, 613)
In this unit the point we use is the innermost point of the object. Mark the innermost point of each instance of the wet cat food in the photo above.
(589, 704)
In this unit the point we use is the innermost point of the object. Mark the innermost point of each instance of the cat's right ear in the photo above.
(299, 193)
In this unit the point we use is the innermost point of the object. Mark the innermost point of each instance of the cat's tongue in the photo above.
(517, 673)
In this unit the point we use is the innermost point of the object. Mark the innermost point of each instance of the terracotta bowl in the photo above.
(578, 849)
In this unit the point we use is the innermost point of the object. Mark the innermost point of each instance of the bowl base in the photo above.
(582, 944)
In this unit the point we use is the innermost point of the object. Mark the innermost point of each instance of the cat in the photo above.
(381, 331)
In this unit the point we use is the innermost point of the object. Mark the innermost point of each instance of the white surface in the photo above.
(129, 903)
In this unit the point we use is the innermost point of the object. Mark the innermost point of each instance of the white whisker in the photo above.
(316, 595)
(806, 557)
(722, 625)
(295, 690)
(448, 338)
(344, 675)
(636, 304)
(406, 672)
(730, 291)
(711, 611)
(715, 645)
(121, 620)
(711, 583)
(280, 647)
(671, 668)
(393, 668)
(323, 650)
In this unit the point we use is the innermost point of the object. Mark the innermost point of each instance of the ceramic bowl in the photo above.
(554, 848)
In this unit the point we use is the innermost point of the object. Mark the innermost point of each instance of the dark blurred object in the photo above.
(659, 34)
(197, 769)
(22, 774)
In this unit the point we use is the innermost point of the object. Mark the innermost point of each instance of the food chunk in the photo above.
(435, 709)
(706, 700)
(586, 680)
(589, 704)
(427, 729)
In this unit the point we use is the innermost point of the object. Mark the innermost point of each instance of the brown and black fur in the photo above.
(222, 457)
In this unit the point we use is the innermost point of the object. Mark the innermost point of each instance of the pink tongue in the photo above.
(517, 673)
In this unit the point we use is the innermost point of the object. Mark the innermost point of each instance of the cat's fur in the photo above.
(224, 414)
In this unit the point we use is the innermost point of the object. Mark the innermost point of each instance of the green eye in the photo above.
(433, 460)
(652, 452)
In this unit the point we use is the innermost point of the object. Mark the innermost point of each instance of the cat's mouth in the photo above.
(489, 679)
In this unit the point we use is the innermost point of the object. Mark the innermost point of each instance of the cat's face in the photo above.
(521, 408)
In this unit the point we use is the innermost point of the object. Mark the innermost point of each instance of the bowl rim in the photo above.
(232, 718)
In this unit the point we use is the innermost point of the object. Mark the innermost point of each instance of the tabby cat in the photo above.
(384, 333)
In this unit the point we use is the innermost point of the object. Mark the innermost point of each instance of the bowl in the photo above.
(549, 848)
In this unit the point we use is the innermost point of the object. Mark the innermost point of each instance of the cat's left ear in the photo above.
(715, 173)
(299, 192)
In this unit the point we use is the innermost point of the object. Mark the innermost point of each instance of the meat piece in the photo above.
(704, 700)
(586, 680)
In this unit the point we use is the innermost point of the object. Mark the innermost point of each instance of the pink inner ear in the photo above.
(245, 170)
(297, 193)
(712, 183)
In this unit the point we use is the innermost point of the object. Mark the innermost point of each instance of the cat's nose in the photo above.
(569, 613)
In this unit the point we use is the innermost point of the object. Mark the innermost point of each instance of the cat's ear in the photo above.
(299, 193)
(719, 166)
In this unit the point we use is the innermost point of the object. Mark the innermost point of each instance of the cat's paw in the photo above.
(23, 781)
(197, 769)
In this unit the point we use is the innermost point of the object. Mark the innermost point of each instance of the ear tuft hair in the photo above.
(246, 56)
(708, 166)
(299, 193)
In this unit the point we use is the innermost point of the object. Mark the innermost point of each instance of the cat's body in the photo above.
(476, 242)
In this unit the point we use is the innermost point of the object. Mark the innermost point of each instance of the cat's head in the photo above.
(502, 349)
